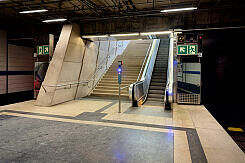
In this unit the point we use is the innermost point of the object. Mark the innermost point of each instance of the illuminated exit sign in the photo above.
(43, 50)
(191, 49)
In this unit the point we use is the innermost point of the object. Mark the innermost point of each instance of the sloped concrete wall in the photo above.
(75, 60)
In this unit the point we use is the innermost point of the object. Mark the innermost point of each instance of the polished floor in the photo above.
(92, 130)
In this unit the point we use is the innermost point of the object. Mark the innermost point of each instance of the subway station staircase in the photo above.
(157, 87)
(108, 85)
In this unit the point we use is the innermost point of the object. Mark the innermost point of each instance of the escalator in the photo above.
(155, 79)
(157, 87)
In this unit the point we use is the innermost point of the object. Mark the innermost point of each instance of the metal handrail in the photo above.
(170, 67)
(143, 65)
(86, 82)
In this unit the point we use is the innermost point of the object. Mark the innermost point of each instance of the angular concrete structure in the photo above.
(73, 62)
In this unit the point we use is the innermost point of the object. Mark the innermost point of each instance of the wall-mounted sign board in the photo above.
(43, 50)
(191, 49)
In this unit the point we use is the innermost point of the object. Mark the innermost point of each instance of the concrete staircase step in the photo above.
(123, 72)
(109, 94)
(116, 78)
(110, 85)
(115, 82)
(114, 87)
(110, 91)
(123, 75)
(123, 78)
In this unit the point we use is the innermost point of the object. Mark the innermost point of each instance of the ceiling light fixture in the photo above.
(126, 34)
(54, 20)
(156, 33)
(180, 9)
(33, 11)
(94, 36)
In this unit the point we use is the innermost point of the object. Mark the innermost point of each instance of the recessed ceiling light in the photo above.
(33, 11)
(54, 20)
(180, 9)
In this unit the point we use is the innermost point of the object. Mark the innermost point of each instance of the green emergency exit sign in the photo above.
(43, 50)
(191, 49)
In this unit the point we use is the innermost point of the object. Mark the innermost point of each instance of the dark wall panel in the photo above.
(223, 67)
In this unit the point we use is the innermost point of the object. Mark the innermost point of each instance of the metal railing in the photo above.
(103, 64)
(144, 62)
(139, 89)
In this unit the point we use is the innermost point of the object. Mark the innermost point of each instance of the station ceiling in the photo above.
(115, 16)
